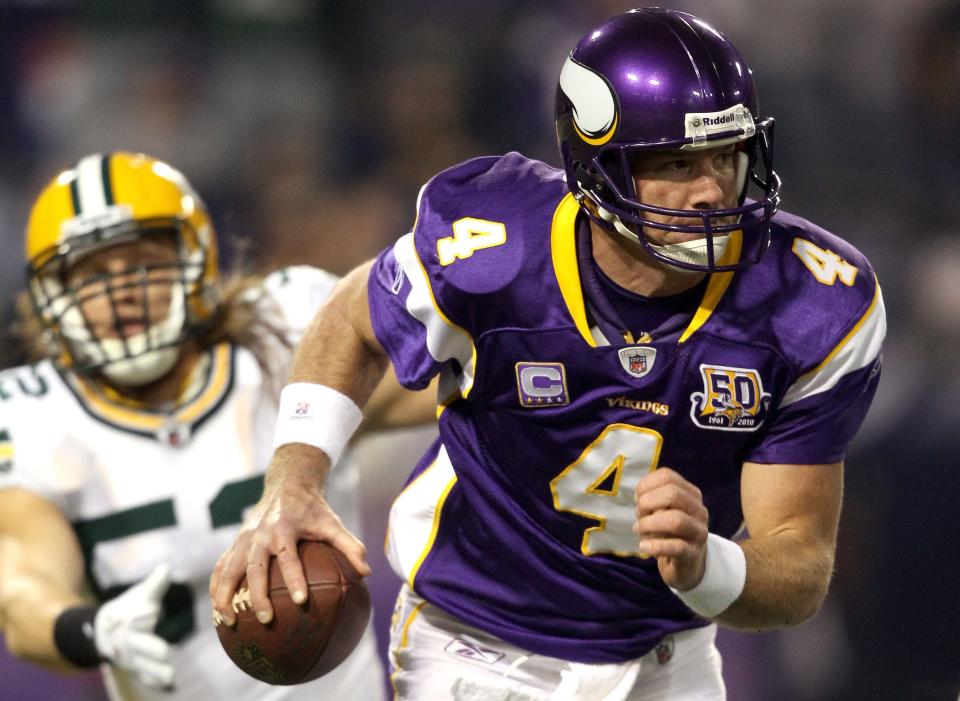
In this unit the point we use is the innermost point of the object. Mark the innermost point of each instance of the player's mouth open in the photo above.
(126, 329)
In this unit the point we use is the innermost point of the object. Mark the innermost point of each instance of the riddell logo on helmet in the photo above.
(714, 121)
(701, 125)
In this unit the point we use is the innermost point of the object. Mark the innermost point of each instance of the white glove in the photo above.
(123, 630)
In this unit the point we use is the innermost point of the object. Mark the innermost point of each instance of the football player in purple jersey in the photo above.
(649, 375)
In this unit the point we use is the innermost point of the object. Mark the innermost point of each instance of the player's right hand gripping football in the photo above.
(123, 631)
(291, 509)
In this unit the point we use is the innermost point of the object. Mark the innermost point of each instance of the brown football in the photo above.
(306, 641)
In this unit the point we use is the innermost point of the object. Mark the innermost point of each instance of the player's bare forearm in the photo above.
(340, 349)
(787, 580)
(300, 464)
(792, 513)
(41, 575)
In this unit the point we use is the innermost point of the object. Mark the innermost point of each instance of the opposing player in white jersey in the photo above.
(129, 454)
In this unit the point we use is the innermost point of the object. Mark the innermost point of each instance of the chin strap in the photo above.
(694, 252)
(134, 361)
(617, 224)
(142, 369)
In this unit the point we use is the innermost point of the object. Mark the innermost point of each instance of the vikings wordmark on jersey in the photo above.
(518, 520)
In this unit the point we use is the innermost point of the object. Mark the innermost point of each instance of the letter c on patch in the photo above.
(541, 381)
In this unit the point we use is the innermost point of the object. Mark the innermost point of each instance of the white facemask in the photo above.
(128, 362)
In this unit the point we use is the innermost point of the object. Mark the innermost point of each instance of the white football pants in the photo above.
(436, 657)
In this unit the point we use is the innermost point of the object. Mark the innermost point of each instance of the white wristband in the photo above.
(316, 415)
(724, 575)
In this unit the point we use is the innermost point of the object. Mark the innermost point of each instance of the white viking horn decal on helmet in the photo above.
(594, 109)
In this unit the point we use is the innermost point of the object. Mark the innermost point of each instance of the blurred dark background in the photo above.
(309, 125)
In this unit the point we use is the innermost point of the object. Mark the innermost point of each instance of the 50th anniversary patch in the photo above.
(732, 399)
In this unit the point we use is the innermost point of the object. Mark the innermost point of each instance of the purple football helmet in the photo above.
(657, 79)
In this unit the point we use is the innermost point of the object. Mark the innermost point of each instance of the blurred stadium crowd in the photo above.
(309, 126)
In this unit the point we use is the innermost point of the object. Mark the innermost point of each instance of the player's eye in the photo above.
(724, 160)
(78, 277)
(674, 166)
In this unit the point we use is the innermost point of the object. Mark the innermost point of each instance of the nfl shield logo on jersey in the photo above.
(732, 399)
(637, 360)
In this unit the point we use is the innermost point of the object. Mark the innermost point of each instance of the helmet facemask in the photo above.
(113, 322)
(606, 187)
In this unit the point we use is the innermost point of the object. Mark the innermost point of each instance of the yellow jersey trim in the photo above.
(130, 417)
(716, 287)
(433, 530)
(446, 319)
(563, 249)
(564, 253)
(850, 334)
(433, 463)
(442, 406)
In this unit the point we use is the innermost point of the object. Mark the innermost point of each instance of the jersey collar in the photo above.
(563, 246)
(174, 425)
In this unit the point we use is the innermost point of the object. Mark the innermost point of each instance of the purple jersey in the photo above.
(519, 519)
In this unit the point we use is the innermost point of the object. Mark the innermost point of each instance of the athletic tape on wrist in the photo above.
(724, 575)
(74, 637)
(316, 415)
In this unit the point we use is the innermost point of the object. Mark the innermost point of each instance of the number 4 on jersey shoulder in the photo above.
(825, 265)
(470, 235)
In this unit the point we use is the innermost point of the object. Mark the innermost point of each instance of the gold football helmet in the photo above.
(105, 200)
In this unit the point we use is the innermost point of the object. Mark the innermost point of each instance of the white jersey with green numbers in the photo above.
(143, 488)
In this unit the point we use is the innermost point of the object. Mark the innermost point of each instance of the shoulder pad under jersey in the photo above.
(811, 295)
(35, 408)
(482, 234)
(298, 292)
